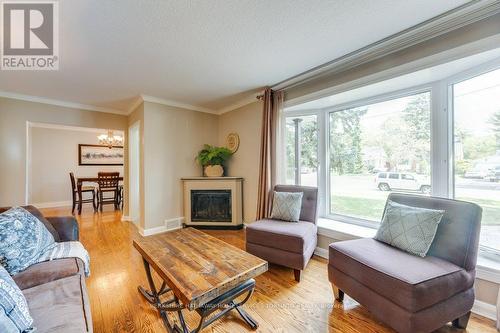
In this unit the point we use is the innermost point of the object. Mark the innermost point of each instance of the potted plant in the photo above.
(212, 159)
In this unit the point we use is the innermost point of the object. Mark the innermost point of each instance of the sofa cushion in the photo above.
(60, 306)
(33, 210)
(47, 271)
(411, 282)
(411, 229)
(292, 237)
(13, 304)
(22, 239)
(6, 325)
(287, 206)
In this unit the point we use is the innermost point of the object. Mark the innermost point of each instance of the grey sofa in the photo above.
(55, 290)
(289, 244)
(410, 293)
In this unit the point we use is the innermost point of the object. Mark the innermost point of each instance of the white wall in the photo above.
(247, 122)
(172, 139)
(13, 117)
(54, 154)
(134, 169)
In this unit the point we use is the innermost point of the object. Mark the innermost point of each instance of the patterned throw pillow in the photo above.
(411, 229)
(14, 312)
(23, 238)
(287, 206)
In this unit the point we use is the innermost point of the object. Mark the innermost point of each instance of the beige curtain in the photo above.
(273, 102)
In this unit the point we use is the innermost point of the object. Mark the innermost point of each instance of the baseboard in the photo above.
(152, 231)
(176, 222)
(126, 218)
(53, 204)
(321, 252)
(485, 309)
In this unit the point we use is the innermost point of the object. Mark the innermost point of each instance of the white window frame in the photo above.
(360, 103)
(449, 82)
(296, 114)
(442, 128)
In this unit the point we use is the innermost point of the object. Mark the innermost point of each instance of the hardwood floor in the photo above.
(279, 304)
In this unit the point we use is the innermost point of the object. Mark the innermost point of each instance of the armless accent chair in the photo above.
(409, 293)
(289, 244)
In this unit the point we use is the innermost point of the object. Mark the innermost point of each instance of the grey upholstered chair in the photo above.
(410, 293)
(289, 244)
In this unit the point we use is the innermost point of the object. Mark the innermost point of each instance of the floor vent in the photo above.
(173, 224)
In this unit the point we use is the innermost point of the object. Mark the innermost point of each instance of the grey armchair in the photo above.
(289, 244)
(409, 293)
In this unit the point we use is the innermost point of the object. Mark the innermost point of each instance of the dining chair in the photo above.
(108, 183)
(77, 192)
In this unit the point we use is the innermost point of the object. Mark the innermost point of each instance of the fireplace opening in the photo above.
(211, 206)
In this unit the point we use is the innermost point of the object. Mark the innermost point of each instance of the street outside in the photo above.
(357, 195)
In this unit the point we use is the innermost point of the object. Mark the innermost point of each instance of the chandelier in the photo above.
(110, 140)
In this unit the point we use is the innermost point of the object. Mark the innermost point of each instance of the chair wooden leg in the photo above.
(80, 203)
(337, 293)
(100, 201)
(297, 273)
(74, 203)
(94, 200)
(462, 322)
(117, 197)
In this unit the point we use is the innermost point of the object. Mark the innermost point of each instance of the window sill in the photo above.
(340, 231)
(487, 269)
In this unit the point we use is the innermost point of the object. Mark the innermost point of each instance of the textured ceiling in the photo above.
(208, 54)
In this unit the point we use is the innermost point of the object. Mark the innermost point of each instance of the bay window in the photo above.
(377, 148)
(476, 129)
(439, 137)
(301, 150)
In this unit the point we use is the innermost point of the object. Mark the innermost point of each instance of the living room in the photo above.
(235, 166)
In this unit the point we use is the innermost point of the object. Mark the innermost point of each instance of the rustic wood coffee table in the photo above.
(200, 273)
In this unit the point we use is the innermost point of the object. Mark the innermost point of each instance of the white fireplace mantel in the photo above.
(234, 184)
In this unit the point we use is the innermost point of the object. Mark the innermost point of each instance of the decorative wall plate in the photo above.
(233, 142)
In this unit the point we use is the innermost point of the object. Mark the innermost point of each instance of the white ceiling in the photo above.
(207, 54)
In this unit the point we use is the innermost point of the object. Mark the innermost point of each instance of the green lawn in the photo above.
(360, 207)
(372, 208)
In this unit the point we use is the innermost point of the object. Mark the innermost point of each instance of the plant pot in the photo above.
(214, 170)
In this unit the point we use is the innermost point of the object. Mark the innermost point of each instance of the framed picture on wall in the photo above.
(100, 155)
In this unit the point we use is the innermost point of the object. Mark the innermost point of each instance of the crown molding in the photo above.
(134, 105)
(459, 17)
(244, 101)
(57, 102)
(140, 99)
(168, 102)
(31, 124)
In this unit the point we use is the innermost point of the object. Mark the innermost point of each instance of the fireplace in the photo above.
(213, 202)
(211, 205)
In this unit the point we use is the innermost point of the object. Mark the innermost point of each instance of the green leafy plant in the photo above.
(212, 155)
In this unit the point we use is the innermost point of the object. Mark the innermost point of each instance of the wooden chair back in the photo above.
(73, 181)
(108, 180)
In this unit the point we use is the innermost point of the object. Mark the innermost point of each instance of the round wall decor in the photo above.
(233, 142)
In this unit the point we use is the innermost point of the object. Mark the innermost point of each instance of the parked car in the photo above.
(477, 173)
(494, 174)
(386, 181)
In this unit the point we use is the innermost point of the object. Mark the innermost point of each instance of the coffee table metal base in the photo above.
(223, 304)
